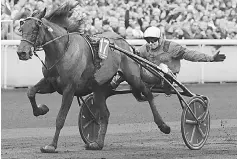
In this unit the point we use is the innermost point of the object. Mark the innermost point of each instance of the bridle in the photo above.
(36, 48)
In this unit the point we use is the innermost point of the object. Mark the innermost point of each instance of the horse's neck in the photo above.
(56, 46)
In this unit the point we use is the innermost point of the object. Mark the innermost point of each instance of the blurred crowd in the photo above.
(178, 19)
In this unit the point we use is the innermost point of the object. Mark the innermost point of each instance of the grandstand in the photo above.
(179, 19)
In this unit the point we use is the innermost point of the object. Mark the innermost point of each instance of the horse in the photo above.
(69, 70)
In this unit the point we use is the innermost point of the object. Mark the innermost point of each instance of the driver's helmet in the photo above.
(153, 32)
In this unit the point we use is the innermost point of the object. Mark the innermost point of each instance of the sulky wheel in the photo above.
(88, 121)
(195, 132)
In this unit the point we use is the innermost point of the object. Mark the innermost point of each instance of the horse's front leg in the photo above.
(68, 94)
(42, 87)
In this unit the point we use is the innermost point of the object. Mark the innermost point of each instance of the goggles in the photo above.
(151, 40)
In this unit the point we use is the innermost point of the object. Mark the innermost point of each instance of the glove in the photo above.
(135, 51)
(218, 57)
(164, 68)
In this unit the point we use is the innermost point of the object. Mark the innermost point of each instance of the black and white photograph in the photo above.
(118, 79)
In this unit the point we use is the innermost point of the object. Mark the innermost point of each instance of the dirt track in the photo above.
(221, 144)
(222, 141)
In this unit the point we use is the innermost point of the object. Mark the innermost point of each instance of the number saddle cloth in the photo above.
(106, 60)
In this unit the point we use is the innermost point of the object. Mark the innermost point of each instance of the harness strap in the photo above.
(92, 51)
(34, 19)
(28, 41)
(40, 59)
(60, 57)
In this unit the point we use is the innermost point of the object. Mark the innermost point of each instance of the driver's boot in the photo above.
(167, 87)
(117, 79)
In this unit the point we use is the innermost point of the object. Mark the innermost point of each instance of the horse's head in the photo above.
(35, 28)
(30, 28)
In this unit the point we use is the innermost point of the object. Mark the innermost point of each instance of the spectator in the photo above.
(114, 23)
(232, 34)
(24, 13)
(137, 33)
(178, 34)
(98, 23)
(154, 23)
(181, 14)
(129, 33)
(194, 32)
(218, 34)
(122, 31)
(92, 30)
(106, 27)
(145, 25)
(169, 33)
(210, 34)
(232, 15)
(162, 28)
(5, 27)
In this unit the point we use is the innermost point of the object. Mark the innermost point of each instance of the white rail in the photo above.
(10, 42)
(139, 42)
(28, 73)
(222, 42)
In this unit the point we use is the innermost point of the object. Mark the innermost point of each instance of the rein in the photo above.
(37, 48)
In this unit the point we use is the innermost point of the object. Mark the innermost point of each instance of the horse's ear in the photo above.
(42, 14)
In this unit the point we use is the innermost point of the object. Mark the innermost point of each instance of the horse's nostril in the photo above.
(21, 54)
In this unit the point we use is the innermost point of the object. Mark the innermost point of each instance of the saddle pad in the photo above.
(103, 48)
(111, 64)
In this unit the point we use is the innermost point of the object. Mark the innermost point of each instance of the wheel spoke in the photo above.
(194, 109)
(201, 132)
(192, 122)
(201, 115)
(88, 123)
(192, 136)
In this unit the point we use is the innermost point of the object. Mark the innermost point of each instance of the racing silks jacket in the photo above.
(170, 53)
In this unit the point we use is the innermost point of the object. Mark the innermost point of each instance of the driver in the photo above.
(161, 51)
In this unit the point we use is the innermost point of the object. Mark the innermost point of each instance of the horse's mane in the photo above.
(61, 16)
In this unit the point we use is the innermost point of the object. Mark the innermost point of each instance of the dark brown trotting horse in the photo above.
(69, 70)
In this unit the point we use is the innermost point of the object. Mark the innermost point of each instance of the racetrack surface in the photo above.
(131, 132)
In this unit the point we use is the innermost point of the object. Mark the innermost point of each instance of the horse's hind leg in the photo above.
(42, 87)
(100, 96)
(139, 86)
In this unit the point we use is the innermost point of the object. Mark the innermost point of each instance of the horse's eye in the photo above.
(21, 22)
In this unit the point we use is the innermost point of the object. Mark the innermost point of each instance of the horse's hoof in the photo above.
(48, 149)
(93, 146)
(42, 110)
(142, 99)
(164, 128)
